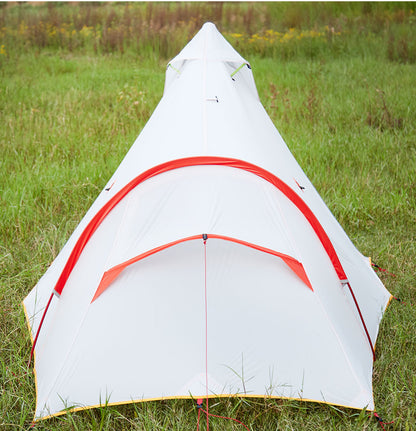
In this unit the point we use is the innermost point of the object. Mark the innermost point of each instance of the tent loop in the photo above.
(238, 69)
(300, 186)
(107, 189)
(174, 68)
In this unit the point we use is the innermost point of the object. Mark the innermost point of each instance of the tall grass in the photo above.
(79, 81)
(280, 30)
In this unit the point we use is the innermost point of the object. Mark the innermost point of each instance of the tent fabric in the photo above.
(202, 268)
(111, 274)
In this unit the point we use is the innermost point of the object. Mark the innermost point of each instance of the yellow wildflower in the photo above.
(85, 31)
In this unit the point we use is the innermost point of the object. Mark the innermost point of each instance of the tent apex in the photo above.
(210, 44)
(209, 25)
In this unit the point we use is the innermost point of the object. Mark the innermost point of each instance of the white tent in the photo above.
(203, 268)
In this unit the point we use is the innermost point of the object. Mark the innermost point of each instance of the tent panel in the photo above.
(110, 275)
(145, 337)
(270, 328)
(202, 199)
(206, 112)
(129, 337)
(271, 202)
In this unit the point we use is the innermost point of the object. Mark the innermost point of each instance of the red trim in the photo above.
(290, 261)
(110, 275)
(32, 350)
(181, 163)
(198, 161)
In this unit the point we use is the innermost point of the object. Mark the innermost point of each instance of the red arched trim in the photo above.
(182, 163)
(198, 161)
(111, 274)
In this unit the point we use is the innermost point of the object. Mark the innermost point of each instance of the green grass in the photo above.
(346, 109)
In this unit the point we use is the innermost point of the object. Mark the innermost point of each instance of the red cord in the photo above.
(382, 269)
(403, 302)
(380, 421)
(206, 328)
(32, 350)
(226, 417)
(199, 401)
(197, 423)
(362, 321)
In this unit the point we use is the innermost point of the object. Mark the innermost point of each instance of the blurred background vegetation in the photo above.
(280, 30)
(79, 80)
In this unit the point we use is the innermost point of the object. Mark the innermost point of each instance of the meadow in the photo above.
(78, 81)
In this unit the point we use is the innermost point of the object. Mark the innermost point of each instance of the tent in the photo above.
(208, 266)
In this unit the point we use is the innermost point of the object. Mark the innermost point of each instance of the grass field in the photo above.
(79, 81)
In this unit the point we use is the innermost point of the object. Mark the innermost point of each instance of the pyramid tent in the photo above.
(203, 268)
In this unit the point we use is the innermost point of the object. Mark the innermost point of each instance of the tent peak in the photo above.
(210, 29)
(208, 44)
(209, 26)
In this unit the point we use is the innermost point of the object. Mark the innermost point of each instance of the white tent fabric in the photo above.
(202, 269)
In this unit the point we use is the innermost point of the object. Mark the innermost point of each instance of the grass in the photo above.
(344, 104)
